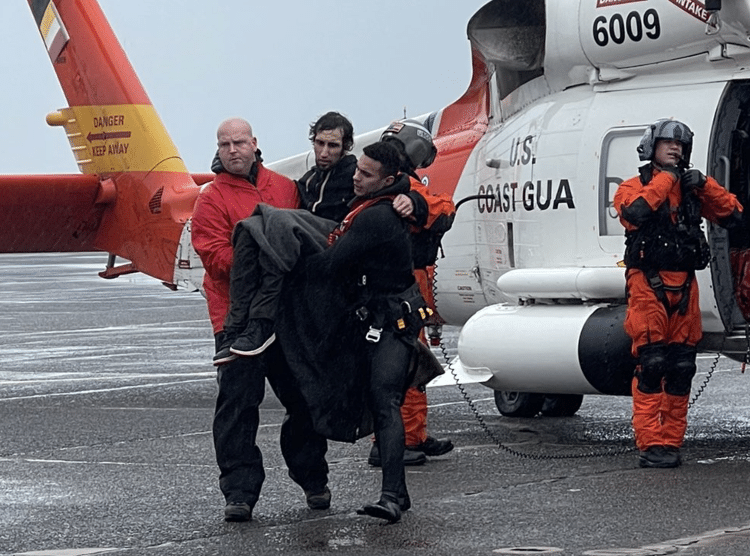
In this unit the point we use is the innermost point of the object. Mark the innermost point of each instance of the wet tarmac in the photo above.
(106, 397)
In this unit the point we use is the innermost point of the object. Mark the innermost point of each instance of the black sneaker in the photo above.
(433, 446)
(255, 339)
(659, 457)
(318, 500)
(224, 356)
(238, 511)
(411, 456)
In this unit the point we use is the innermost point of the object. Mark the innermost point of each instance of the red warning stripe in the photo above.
(693, 7)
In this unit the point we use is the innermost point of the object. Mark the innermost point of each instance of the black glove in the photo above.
(693, 179)
(676, 171)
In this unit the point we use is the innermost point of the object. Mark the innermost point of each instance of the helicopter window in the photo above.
(618, 163)
(510, 35)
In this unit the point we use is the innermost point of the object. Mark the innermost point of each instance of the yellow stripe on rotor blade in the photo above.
(118, 138)
(53, 31)
(49, 17)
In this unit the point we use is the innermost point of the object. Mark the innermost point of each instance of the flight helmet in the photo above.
(666, 129)
(416, 141)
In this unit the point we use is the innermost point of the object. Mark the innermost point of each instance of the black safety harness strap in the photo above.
(660, 289)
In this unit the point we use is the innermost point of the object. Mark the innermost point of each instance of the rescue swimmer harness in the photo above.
(660, 243)
(405, 313)
(402, 312)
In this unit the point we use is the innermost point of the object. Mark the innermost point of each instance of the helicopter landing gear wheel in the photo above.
(518, 404)
(561, 405)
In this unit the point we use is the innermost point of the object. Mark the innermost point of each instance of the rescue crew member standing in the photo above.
(661, 210)
(233, 195)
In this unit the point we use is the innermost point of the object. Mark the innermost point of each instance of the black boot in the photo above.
(412, 456)
(433, 446)
(660, 457)
(387, 508)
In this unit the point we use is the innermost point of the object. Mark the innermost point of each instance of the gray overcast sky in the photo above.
(279, 64)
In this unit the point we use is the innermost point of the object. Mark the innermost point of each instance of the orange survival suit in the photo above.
(664, 248)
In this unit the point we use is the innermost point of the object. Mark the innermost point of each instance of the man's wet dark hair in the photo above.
(387, 155)
(334, 120)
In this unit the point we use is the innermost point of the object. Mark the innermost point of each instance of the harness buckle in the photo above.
(362, 313)
(373, 335)
(655, 281)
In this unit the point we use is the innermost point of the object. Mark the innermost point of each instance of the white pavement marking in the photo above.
(101, 390)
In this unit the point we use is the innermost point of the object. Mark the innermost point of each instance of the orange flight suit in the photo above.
(414, 408)
(664, 340)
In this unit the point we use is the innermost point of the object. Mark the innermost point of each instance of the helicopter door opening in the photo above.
(729, 163)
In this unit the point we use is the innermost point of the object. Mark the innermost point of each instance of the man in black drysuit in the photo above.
(355, 306)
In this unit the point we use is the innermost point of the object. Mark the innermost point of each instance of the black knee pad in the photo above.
(680, 369)
(653, 361)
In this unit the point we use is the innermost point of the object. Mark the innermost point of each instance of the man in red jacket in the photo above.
(232, 196)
